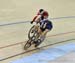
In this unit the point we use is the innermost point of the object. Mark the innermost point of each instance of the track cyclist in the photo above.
(44, 27)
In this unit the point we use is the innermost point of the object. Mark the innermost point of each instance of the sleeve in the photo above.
(34, 18)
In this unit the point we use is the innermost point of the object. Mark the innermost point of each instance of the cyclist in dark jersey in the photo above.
(45, 27)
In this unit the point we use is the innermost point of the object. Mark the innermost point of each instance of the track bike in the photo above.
(33, 36)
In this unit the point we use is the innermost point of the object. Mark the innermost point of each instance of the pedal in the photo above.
(38, 42)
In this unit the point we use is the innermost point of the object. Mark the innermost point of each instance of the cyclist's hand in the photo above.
(31, 22)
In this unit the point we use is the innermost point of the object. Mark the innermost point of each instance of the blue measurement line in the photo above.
(47, 55)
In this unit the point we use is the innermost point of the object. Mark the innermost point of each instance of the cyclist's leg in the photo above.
(43, 35)
(38, 35)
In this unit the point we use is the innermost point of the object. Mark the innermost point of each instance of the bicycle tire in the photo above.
(30, 31)
(27, 45)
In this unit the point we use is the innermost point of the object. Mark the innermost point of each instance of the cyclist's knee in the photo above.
(45, 32)
(39, 31)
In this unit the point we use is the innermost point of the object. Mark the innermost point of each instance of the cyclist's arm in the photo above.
(36, 19)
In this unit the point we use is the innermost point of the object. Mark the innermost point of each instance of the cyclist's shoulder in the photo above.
(47, 20)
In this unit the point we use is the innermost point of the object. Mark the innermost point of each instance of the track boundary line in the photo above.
(66, 17)
(36, 49)
(47, 36)
(61, 34)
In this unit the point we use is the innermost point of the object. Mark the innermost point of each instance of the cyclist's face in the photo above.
(45, 17)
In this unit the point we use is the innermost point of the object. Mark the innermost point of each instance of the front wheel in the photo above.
(32, 32)
(27, 45)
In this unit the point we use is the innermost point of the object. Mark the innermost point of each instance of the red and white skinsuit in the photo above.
(37, 18)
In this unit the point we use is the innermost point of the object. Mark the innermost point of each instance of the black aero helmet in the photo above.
(41, 10)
